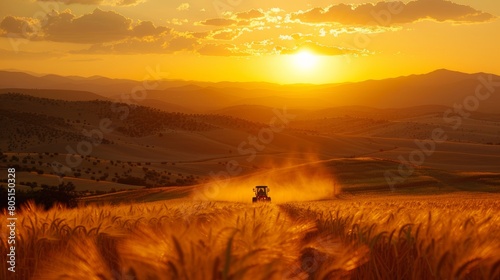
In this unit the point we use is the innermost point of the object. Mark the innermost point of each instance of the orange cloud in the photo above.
(183, 7)
(219, 22)
(250, 14)
(317, 49)
(18, 25)
(96, 27)
(147, 28)
(226, 34)
(389, 13)
(99, 26)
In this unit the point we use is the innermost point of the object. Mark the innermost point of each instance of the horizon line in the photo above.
(41, 75)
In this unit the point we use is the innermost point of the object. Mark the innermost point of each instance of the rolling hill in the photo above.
(441, 87)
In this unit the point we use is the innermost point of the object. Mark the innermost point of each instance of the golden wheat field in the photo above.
(452, 236)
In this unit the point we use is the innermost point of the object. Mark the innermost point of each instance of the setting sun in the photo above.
(305, 60)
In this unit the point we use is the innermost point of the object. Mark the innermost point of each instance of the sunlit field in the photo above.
(452, 236)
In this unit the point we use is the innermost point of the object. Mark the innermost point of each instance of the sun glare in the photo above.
(305, 60)
(304, 66)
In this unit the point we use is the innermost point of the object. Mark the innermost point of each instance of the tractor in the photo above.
(261, 194)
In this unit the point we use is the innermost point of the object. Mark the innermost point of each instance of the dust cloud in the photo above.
(287, 182)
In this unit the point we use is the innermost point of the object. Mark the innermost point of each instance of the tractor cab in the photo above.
(261, 194)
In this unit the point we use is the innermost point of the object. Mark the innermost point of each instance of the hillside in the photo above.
(26, 117)
(144, 146)
(61, 94)
(441, 87)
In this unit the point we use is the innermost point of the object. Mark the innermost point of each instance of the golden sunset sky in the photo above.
(298, 41)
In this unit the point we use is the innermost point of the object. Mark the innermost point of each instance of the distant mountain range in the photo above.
(441, 87)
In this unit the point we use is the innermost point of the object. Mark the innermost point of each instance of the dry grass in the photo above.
(418, 238)
(361, 238)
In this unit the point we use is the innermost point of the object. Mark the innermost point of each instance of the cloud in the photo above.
(389, 13)
(295, 36)
(226, 34)
(220, 50)
(110, 32)
(200, 34)
(178, 21)
(18, 25)
(183, 7)
(98, 2)
(286, 37)
(219, 22)
(317, 49)
(99, 26)
(96, 27)
(147, 28)
(250, 14)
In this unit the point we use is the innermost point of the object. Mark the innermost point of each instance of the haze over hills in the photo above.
(441, 87)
